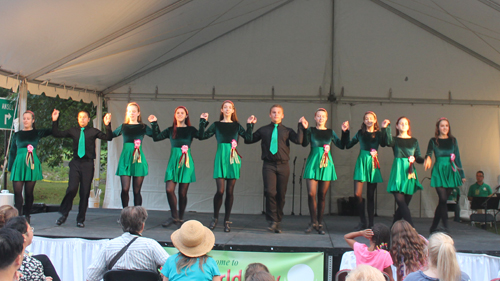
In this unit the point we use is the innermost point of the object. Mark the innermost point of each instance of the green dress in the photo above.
(227, 163)
(127, 165)
(22, 166)
(401, 180)
(180, 167)
(445, 173)
(365, 170)
(320, 166)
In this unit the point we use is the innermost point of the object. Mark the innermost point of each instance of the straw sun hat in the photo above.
(193, 239)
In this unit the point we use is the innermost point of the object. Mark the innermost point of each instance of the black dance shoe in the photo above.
(275, 227)
(80, 224)
(227, 228)
(213, 223)
(61, 220)
(320, 229)
(312, 225)
(169, 222)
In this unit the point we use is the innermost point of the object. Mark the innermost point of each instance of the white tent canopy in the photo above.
(420, 58)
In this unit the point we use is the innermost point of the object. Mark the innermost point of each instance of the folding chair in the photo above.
(131, 275)
(341, 275)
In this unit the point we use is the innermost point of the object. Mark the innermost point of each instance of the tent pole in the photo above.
(23, 102)
(97, 163)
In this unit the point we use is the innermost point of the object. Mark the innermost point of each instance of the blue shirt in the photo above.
(210, 269)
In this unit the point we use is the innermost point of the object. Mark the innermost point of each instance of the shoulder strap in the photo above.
(120, 254)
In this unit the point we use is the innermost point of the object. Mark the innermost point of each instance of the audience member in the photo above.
(479, 189)
(409, 249)
(254, 268)
(260, 276)
(31, 268)
(11, 253)
(364, 272)
(443, 264)
(194, 241)
(142, 254)
(7, 212)
(377, 254)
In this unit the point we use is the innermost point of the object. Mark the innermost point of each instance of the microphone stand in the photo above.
(300, 183)
(293, 186)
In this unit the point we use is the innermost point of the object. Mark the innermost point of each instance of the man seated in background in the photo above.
(479, 189)
(142, 254)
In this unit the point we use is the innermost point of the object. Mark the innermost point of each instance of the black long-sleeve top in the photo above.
(91, 134)
(285, 135)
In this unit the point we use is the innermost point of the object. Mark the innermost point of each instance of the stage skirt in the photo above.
(443, 175)
(313, 169)
(399, 182)
(22, 171)
(126, 167)
(177, 169)
(364, 170)
(223, 168)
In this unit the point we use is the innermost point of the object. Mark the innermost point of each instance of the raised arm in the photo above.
(55, 126)
(336, 141)
(117, 132)
(246, 134)
(349, 237)
(204, 133)
(388, 140)
(157, 135)
(108, 136)
(257, 136)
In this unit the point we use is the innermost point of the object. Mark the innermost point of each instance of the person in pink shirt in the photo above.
(376, 254)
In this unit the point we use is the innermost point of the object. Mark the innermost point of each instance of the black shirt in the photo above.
(285, 135)
(91, 134)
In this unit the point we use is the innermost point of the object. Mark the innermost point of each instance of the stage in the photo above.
(249, 233)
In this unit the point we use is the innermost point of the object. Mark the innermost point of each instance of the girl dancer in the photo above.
(180, 169)
(367, 166)
(447, 172)
(227, 163)
(319, 170)
(24, 164)
(403, 181)
(132, 163)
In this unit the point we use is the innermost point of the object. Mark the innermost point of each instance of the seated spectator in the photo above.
(409, 249)
(143, 254)
(479, 189)
(31, 269)
(364, 272)
(194, 241)
(7, 212)
(443, 263)
(254, 268)
(377, 254)
(11, 253)
(260, 276)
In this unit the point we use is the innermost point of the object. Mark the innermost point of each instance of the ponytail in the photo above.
(442, 255)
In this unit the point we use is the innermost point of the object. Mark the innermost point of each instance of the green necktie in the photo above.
(274, 140)
(81, 144)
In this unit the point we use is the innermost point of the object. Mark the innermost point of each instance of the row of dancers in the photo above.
(275, 141)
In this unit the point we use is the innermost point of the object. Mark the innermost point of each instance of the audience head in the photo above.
(254, 268)
(21, 225)
(408, 244)
(193, 239)
(260, 276)
(7, 212)
(11, 249)
(133, 218)
(442, 256)
(381, 236)
(364, 272)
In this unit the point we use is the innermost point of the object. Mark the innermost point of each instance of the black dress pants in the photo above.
(81, 173)
(275, 175)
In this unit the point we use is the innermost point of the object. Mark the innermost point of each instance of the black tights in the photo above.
(229, 197)
(441, 212)
(172, 200)
(137, 190)
(370, 194)
(402, 212)
(317, 208)
(29, 187)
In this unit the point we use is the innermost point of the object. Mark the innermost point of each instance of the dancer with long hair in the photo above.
(180, 169)
(367, 167)
(447, 172)
(132, 166)
(24, 165)
(319, 170)
(403, 181)
(227, 163)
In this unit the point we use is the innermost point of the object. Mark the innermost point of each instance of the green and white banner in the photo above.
(283, 266)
